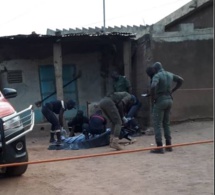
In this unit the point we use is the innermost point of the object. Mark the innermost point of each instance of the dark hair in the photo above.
(70, 104)
(80, 113)
(114, 74)
(157, 66)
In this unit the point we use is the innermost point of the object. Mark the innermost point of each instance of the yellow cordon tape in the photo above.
(103, 154)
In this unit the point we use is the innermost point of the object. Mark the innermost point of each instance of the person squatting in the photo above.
(49, 110)
(113, 106)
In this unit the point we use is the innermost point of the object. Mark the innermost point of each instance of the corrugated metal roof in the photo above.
(58, 35)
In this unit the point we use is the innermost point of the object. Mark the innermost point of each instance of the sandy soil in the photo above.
(188, 170)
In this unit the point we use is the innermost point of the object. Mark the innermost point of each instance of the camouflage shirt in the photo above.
(121, 84)
(163, 89)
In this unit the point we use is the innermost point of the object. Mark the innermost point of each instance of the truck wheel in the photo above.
(17, 170)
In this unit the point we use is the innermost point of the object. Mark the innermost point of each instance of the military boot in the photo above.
(159, 150)
(111, 137)
(114, 143)
(168, 142)
(58, 134)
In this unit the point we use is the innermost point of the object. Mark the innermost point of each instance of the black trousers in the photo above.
(51, 117)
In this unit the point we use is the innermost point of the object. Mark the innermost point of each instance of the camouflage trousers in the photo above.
(111, 111)
(160, 119)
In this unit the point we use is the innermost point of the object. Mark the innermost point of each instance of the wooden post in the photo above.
(58, 70)
(127, 59)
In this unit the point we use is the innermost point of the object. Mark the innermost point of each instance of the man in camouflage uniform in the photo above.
(161, 97)
(120, 83)
(113, 107)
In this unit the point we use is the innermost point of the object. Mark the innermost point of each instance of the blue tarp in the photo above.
(79, 142)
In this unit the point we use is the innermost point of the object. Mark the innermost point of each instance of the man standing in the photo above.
(120, 83)
(49, 110)
(161, 97)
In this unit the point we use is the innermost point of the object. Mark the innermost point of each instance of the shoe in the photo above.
(157, 151)
(132, 141)
(137, 134)
(52, 140)
(149, 132)
(114, 143)
(168, 142)
(58, 138)
(58, 143)
(142, 132)
(169, 149)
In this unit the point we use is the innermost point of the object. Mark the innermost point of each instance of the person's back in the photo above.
(54, 106)
(97, 123)
(117, 97)
(163, 81)
(163, 89)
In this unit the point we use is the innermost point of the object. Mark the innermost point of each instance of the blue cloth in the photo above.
(79, 142)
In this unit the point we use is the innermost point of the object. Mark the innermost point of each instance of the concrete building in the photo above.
(183, 43)
(38, 65)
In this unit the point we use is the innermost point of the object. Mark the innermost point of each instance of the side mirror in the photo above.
(9, 93)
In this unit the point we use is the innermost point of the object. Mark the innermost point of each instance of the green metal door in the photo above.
(48, 86)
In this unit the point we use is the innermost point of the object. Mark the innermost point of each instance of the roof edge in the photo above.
(182, 11)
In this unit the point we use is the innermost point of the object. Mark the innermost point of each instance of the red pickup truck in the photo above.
(13, 128)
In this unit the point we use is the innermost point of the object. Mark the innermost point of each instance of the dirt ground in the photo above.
(188, 170)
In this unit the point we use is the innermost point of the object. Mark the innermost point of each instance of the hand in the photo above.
(125, 120)
(38, 104)
(145, 95)
(63, 131)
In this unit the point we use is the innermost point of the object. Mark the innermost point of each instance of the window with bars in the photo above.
(14, 76)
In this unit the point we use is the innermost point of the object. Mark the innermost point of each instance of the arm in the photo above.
(86, 120)
(114, 88)
(179, 81)
(128, 85)
(152, 89)
(105, 121)
(121, 108)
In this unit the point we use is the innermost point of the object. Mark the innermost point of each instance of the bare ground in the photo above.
(188, 170)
